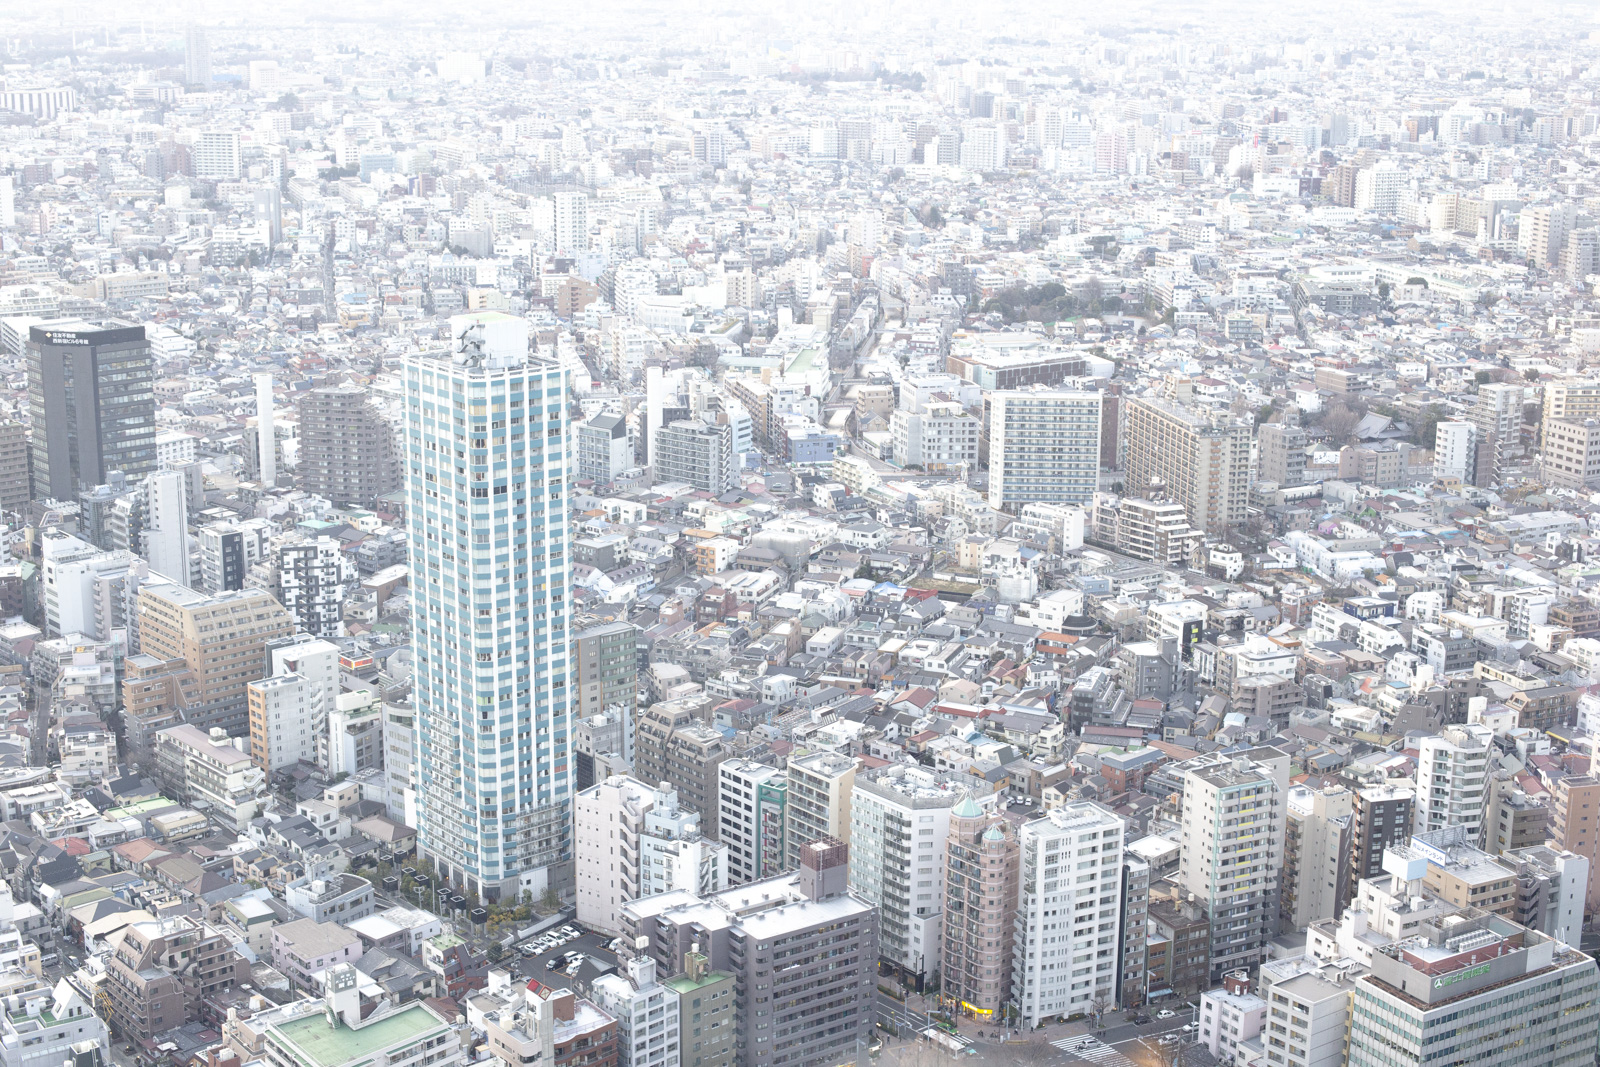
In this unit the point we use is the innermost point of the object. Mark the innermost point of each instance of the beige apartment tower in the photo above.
(1198, 459)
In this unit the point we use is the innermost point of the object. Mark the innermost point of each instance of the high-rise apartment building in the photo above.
(802, 949)
(1552, 884)
(289, 708)
(1234, 815)
(92, 403)
(1455, 453)
(647, 1014)
(1572, 398)
(635, 841)
(940, 436)
(1576, 827)
(695, 452)
(899, 830)
(1044, 446)
(753, 806)
(197, 58)
(1571, 453)
(1200, 460)
(604, 449)
(218, 155)
(1381, 818)
(607, 660)
(1497, 413)
(706, 1015)
(1068, 914)
(347, 449)
(572, 223)
(16, 479)
(1308, 1010)
(486, 476)
(166, 530)
(229, 549)
(220, 639)
(820, 785)
(1316, 855)
(983, 864)
(1133, 961)
(1452, 781)
(315, 576)
(1281, 454)
(671, 745)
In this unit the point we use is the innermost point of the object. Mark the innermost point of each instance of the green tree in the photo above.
(1482, 377)
(496, 951)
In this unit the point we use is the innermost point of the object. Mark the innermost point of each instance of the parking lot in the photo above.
(537, 966)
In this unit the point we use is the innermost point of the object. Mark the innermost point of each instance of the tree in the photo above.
(1341, 419)
(496, 951)
(1482, 377)
(1428, 430)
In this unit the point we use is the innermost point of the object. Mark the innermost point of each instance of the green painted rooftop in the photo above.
(333, 1046)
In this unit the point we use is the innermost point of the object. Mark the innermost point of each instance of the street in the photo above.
(1121, 1043)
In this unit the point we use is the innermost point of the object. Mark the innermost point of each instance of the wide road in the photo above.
(896, 1014)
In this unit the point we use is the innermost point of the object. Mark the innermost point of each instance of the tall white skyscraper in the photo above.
(166, 531)
(1069, 905)
(266, 442)
(572, 223)
(197, 58)
(485, 438)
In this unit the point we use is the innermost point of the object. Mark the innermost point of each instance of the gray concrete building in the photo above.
(802, 950)
(347, 451)
(695, 452)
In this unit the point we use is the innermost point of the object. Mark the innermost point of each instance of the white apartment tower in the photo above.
(572, 223)
(1234, 822)
(217, 155)
(1044, 447)
(166, 531)
(289, 708)
(1452, 772)
(486, 476)
(899, 837)
(1068, 914)
(637, 842)
(1455, 452)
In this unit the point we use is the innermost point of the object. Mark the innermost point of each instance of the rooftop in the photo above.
(334, 1046)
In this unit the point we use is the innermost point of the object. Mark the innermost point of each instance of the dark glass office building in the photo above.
(91, 392)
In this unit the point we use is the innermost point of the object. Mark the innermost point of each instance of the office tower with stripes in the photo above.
(486, 470)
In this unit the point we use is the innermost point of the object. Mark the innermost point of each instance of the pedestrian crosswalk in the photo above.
(1094, 1050)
